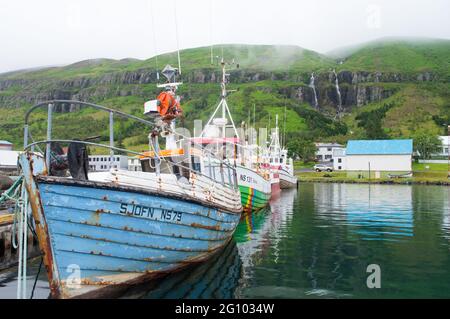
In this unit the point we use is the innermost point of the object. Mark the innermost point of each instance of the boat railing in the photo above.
(231, 170)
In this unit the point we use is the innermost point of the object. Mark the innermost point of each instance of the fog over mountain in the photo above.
(52, 32)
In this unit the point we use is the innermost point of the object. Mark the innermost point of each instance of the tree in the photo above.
(300, 148)
(426, 145)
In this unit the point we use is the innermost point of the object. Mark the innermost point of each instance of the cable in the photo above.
(154, 40)
(176, 34)
(36, 279)
(210, 30)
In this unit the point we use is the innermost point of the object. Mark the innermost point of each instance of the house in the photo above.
(324, 152)
(8, 160)
(339, 159)
(6, 146)
(102, 163)
(378, 158)
(445, 146)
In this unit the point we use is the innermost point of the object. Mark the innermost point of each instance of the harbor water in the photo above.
(317, 242)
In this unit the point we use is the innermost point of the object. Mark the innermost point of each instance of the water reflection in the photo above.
(215, 279)
(368, 210)
(317, 243)
(446, 217)
(259, 236)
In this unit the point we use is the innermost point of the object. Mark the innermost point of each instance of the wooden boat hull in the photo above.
(99, 239)
(253, 199)
(275, 185)
(216, 278)
(255, 190)
(287, 180)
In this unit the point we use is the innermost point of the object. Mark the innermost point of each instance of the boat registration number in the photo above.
(248, 179)
(149, 212)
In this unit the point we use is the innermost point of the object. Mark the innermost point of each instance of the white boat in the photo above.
(220, 135)
(281, 166)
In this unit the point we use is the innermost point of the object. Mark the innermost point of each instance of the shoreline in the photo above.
(313, 177)
(381, 182)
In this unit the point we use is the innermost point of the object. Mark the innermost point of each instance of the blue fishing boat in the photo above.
(101, 232)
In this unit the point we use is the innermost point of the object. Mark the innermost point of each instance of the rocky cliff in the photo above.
(356, 88)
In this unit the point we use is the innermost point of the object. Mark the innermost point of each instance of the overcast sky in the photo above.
(54, 32)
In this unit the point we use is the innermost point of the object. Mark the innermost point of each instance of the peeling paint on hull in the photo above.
(98, 238)
(90, 232)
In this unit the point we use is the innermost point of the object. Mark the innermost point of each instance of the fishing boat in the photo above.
(220, 134)
(101, 232)
(281, 166)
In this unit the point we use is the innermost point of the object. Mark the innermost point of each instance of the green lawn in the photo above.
(423, 177)
(302, 165)
(430, 167)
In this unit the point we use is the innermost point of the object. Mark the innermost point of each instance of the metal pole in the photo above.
(25, 136)
(209, 166)
(111, 139)
(222, 173)
(156, 150)
(20, 229)
(25, 246)
(49, 137)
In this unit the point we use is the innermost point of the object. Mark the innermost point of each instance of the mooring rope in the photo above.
(23, 244)
(37, 277)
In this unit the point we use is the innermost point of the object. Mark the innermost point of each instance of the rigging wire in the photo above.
(210, 31)
(36, 278)
(154, 40)
(283, 140)
(176, 34)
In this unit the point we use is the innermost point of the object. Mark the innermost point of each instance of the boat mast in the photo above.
(223, 106)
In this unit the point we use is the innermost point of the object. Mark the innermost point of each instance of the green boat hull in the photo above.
(253, 199)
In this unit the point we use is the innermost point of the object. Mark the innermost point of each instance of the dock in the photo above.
(6, 218)
(8, 254)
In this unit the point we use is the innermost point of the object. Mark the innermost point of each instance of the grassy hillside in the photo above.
(412, 106)
(400, 56)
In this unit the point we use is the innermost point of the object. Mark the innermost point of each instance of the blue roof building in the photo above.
(5, 145)
(379, 157)
(379, 147)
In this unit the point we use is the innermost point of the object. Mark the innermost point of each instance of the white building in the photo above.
(379, 157)
(445, 146)
(8, 160)
(339, 159)
(6, 146)
(99, 163)
(324, 152)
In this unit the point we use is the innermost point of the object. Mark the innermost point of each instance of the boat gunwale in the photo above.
(125, 188)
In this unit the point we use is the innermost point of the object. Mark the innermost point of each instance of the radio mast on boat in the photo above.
(222, 122)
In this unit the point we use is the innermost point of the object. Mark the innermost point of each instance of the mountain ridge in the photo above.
(269, 77)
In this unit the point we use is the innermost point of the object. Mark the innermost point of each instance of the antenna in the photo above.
(176, 33)
(210, 29)
(154, 40)
(223, 105)
(284, 126)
